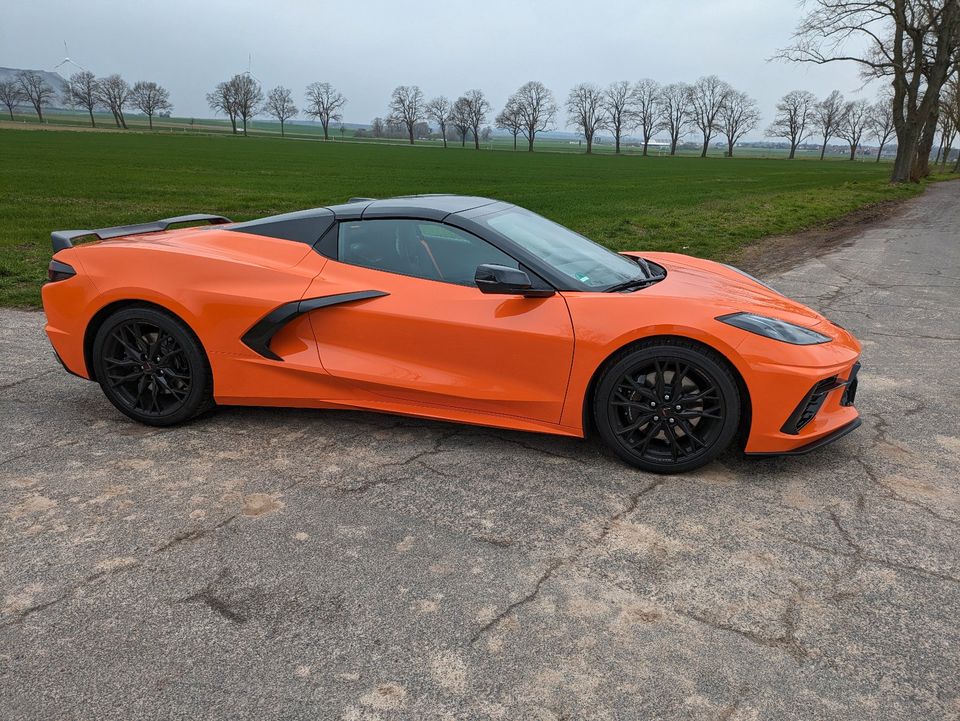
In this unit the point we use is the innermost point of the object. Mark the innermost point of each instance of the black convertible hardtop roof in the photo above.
(434, 207)
(306, 226)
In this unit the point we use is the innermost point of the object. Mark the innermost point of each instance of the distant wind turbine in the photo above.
(249, 72)
(66, 60)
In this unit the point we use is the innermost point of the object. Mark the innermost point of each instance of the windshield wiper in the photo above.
(633, 283)
(648, 278)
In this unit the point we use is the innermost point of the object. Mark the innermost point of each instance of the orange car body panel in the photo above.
(436, 349)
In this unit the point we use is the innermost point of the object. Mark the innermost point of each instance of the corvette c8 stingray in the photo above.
(449, 307)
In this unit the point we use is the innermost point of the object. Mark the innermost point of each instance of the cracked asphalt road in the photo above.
(283, 564)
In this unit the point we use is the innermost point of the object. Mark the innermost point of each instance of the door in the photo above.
(433, 337)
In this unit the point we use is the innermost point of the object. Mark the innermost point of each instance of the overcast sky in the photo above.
(367, 48)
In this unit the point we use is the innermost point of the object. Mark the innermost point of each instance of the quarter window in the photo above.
(418, 248)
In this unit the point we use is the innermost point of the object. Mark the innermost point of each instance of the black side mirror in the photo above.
(503, 280)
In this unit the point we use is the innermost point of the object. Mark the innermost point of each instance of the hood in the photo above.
(725, 290)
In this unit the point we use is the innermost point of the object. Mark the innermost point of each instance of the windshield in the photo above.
(569, 253)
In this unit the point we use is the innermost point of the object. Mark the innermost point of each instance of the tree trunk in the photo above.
(123, 120)
(646, 144)
(925, 147)
(530, 143)
(853, 151)
(514, 139)
(10, 110)
(823, 150)
(729, 148)
(410, 132)
(793, 151)
(150, 121)
(706, 144)
(244, 126)
(673, 144)
(880, 152)
(476, 139)
(281, 128)
(116, 118)
(617, 143)
(443, 131)
(93, 123)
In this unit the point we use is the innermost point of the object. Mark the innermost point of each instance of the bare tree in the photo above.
(793, 118)
(946, 129)
(619, 105)
(460, 119)
(11, 95)
(83, 90)
(150, 99)
(951, 110)
(537, 109)
(828, 115)
(509, 119)
(407, 107)
(325, 103)
(113, 92)
(647, 96)
(36, 90)
(585, 108)
(279, 104)
(223, 100)
(881, 121)
(912, 43)
(439, 110)
(477, 108)
(853, 124)
(249, 97)
(377, 128)
(707, 98)
(674, 112)
(738, 117)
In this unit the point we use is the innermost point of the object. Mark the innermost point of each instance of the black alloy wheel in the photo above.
(667, 406)
(152, 367)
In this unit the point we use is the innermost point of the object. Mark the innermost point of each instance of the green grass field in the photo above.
(710, 208)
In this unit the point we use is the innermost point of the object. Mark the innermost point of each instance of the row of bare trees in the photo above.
(241, 98)
(710, 106)
(800, 116)
(914, 45)
(85, 90)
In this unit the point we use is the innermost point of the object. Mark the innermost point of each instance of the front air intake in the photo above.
(810, 405)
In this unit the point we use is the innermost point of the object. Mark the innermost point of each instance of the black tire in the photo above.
(635, 405)
(152, 367)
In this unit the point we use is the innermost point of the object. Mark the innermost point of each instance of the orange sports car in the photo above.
(450, 307)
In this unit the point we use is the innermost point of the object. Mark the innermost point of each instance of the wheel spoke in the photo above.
(675, 449)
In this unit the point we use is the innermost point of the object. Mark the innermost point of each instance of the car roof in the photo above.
(433, 207)
(306, 226)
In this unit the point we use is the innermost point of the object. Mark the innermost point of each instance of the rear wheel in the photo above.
(151, 367)
(667, 406)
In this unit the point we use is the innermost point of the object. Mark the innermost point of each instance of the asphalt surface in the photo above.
(277, 564)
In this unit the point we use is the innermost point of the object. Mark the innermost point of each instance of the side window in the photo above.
(419, 248)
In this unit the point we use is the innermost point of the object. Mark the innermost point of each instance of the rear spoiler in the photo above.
(62, 239)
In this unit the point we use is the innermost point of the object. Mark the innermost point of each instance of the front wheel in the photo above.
(667, 406)
(152, 367)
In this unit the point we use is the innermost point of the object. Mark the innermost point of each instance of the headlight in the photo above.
(774, 328)
(747, 275)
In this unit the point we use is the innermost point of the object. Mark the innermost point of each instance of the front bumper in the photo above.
(803, 399)
(815, 444)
